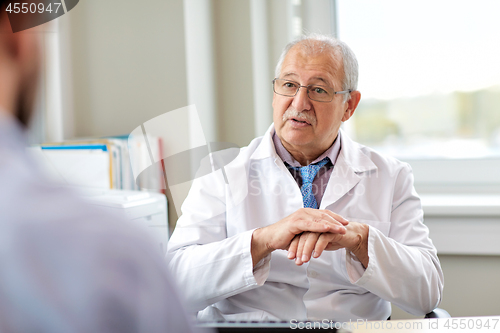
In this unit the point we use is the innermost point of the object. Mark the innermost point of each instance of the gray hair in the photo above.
(335, 47)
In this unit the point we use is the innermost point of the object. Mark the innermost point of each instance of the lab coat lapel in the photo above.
(342, 180)
(347, 172)
(266, 150)
(236, 173)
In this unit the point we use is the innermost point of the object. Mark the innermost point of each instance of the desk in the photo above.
(458, 324)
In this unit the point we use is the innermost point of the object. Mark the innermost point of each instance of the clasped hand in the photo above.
(307, 233)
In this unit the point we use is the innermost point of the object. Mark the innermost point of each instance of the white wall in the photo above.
(471, 286)
(234, 71)
(128, 63)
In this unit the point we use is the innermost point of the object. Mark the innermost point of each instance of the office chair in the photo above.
(438, 313)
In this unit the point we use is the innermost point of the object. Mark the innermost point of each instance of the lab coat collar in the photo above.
(346, 174)
(352, 155)
(266, 147)
(350, 152)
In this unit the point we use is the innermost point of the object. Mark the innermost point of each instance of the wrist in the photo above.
(360, 247)
(259, 246)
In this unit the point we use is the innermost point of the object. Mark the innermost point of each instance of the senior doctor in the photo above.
(305, 223)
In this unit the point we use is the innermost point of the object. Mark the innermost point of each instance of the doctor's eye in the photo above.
(290, 85)
(318, 90)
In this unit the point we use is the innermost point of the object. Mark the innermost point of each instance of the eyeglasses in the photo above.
(315, 92)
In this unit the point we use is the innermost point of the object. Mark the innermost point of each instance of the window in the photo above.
(429, 76)
(47, 122)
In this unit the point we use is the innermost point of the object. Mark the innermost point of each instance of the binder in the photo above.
(86, 165)
(102, 163)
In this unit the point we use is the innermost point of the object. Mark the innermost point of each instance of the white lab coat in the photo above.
(209, 251)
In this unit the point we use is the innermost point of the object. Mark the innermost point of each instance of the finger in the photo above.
(317, 225)
(322, 243)
(333, 242)
(309, 246)
(329, 216)
(325, 214)
(300, 247)
(292, 249)
(336, 217)
(335, 226)
(333, 247)
(318, 214)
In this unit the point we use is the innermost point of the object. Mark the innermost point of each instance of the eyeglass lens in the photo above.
(315, 92)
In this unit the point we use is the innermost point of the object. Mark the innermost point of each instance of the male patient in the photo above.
(65, 267)
(305, 223)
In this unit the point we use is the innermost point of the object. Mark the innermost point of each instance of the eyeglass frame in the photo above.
(307, 90)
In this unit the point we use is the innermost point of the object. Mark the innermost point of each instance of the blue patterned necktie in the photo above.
(308, 173)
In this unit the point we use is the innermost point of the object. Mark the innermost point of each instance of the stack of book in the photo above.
(104, 163)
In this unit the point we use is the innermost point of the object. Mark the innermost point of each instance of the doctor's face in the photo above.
(305, 126)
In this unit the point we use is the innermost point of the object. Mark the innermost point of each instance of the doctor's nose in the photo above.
(301, 100)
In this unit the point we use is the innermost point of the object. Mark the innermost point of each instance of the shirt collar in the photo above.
(350, 153)
(332, 153)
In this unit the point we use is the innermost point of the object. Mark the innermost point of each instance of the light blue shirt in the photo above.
(67, 267)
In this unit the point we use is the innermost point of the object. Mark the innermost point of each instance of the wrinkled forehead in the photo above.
(321, 58)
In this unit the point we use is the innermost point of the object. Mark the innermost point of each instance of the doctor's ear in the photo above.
(351, 105)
